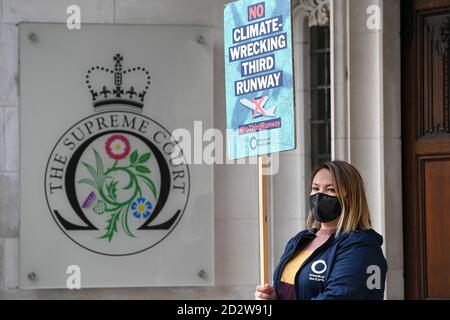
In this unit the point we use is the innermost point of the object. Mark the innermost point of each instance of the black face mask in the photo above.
(324, 208)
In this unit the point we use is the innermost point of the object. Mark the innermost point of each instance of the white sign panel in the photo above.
(108, 197)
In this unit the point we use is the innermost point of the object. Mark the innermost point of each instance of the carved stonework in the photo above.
(317, 11)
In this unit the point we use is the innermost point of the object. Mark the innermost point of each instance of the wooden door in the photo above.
(426, 147)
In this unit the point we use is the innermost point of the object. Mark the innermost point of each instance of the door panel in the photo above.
(437, 221)
(426, 147)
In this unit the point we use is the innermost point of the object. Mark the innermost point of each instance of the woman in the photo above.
(339, 256)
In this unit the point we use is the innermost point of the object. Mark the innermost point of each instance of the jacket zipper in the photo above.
(315, 254)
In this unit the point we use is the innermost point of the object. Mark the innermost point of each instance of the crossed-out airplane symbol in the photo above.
(257, 105)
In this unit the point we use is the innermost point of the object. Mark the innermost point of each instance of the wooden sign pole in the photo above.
(263, 184)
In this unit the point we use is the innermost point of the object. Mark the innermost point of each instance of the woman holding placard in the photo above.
(339, 256)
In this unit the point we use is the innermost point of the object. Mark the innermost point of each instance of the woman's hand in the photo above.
(265, 292)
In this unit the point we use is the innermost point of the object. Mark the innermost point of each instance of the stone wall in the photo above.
(236, 225)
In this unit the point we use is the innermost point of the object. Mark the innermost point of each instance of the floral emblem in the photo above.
(141, 208)
(118, 147)
(104, 198)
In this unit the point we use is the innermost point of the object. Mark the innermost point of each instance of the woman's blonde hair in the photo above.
(349, 187)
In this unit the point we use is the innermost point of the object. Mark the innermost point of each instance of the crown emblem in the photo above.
(107, 88)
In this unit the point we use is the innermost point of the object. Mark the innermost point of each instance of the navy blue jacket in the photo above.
(345, 267)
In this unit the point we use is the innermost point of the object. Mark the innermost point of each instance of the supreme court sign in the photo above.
(101, 188)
